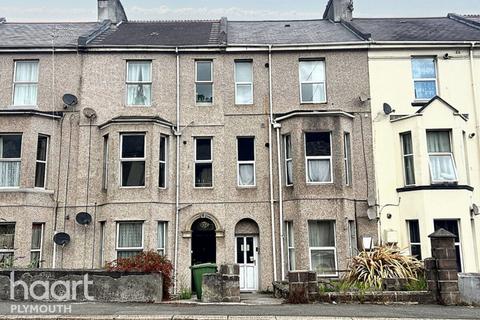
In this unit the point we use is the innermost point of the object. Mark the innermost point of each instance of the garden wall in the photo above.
(469, 286)
(79, 285)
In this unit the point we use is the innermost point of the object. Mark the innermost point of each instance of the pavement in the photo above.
(258, 307)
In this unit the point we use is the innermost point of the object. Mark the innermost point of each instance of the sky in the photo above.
(85, 10)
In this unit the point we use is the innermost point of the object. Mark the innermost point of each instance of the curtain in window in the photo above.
(9, 173)
(26, 93)
(36, 236)
(438, 141)
(442, 168)
(161, 237)
(139, 93)
(323, 261)
(289, 172)
(246, 175)
(319, 171)
(130, 235)
(321, 233)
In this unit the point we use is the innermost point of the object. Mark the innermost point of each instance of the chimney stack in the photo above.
(338, 10)
(111, 10)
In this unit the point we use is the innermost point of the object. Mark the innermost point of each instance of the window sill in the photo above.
(313, 103)
(319, 183)
(244, 104)
(419, 103)
(246, 187)
(137, 106)
(204, 104)
(22, 107)
(443, 186)
(25, 190)
(133, 187)
(203, 188)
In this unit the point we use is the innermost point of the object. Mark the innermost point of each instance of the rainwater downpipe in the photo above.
(177, 173)
(277, 127)
(270, 159)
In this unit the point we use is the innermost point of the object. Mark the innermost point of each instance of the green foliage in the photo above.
(185, 294)
(419, 284)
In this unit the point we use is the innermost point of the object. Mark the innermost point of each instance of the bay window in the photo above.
(246, 161)
(243, 82)
(25, 83)
(312, 81)
(162, 166)
(106, 153)
(132, 159)
(204, 82)
(442, 164)
(10, 160)
(323, 252)
(203, 163)
(139, 83)
(41, 162)
(424, 77)
(347, 158)
(318, 157)
(287, 147)
(129, 239)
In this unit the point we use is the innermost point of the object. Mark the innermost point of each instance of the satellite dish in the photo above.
(474, 210)
(372, 213)
(89, 113)
(61, 238)
(69, 100)
(387, 109)
(83, 218)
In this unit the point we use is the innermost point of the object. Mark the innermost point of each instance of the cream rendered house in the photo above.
(424, 76)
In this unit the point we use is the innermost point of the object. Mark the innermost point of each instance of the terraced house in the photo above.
(228, 141)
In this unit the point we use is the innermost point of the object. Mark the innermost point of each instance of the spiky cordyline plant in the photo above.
(369, 268)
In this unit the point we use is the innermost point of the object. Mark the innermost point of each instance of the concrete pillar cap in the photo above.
(442, 233)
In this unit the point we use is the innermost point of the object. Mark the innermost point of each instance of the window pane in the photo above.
(312, 71)
(246, 148)
(139, 71)
(407, 143)
(313, 92)
(161, 235)
(319, 171)
(7, 236)
(423, 68)
(204, 150)
(288, 147)
(442, 168)
(40, 175)
(35, 259)
(323, 261)
(409, 170)
(317, 144)
(244, 94)
(425, 90)
(25, 95)
(290, 234)
(203, 175)
(130, 235)
(246, 175)
(243, 71)
(204, 71)
(10, 146)
(289, 172)
(133, 173)
(36, 236)
(416, 251)
(438, 141)
(414, 231)
(321, 233)
(240, 248)
(128, 254)
(449, 225)
(9, 173)
(162, 175)
(26, 71)
(133, 146)
(163, 142)
(42, 148)
(204, 92)
(139, 94)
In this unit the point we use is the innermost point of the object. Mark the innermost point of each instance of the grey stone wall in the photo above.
(469, 287)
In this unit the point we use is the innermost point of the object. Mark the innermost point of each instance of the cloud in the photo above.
(46, 14)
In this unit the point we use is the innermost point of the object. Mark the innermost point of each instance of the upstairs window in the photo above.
(442, 164)
(139, 83)
(287, 146)
(10, 160)
(347, 158)
(7, 241)
(246, 162)
(106, 155)
(204, 82)
(132, 158)
(203, 163)
(243, 82)
(129, 239)
(162, 166)
(424, 77)
(318, 157)
(312, 81)
(25, 83)
(41, 163)
(408, 160)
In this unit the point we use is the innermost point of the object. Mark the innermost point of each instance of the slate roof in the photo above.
(162, 33)
(41, 34)
(472, 17)
(416, 29)
(288, 32)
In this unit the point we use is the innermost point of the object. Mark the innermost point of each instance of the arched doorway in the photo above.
(246, 253)
(204, 246)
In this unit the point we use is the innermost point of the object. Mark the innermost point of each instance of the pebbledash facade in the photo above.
(209, 141)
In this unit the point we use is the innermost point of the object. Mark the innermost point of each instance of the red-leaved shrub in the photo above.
(149, 262)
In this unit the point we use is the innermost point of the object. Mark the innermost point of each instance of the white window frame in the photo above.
(144, 159)
(347, 157)
(287, 160)
(101, 252)
(313, 82)
(247, 162)
(127, 83)
(288, 227)
(199, 103)
(12, 250)
(203, 161)
(39, 250)
(165, 237)
(405, 156)
(42, 161)
(164, 162)
(117, 248)
(106, 156)
(425, 79)
(239, 83)
(307, 158)
(410, 243)
(334, 248)
(449, 154)
(352, 246)
(24, 82)
(14, 160)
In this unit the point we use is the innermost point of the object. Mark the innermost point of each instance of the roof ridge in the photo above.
(172, 21)
(51, 22)
(398, 18)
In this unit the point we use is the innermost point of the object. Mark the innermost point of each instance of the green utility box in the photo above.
(198, 271)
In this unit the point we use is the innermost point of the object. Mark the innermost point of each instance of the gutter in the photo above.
(277, 127)
(315, 114)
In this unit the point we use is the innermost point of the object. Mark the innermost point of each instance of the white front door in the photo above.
(247, 258)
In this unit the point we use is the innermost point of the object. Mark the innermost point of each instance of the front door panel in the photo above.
(247, 258)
